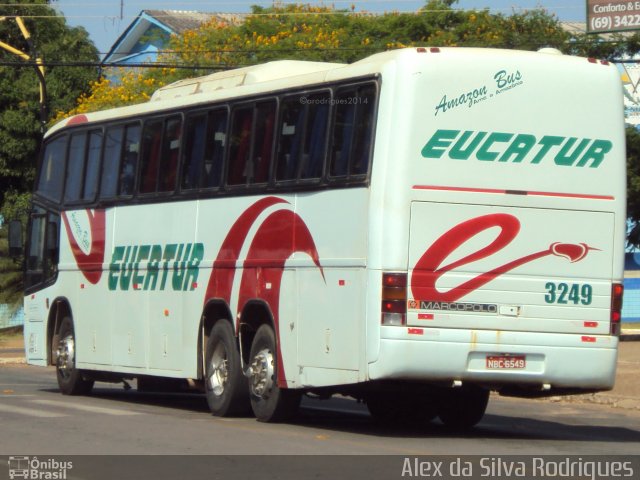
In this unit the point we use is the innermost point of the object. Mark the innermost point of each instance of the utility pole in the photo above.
(39, 66)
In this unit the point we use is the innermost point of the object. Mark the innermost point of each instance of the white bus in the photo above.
(414, 230)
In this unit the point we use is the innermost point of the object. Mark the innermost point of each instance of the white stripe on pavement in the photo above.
(84, 408)
(29, 411)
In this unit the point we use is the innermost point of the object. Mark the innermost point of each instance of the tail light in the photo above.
(617, 289)
(394, 299)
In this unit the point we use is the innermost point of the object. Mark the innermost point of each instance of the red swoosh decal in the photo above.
(280, 235)
(89, 264)
(221, 278)
(427, 270)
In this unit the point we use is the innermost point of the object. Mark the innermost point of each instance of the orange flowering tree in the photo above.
(319, 33)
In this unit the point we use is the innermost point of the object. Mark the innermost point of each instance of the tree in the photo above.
(305, 32)
(20, 129)
(633, 186)
(20, 123)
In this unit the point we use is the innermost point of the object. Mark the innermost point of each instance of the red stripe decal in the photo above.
(415, 331)
(89, 264)
(278, 237)
(425, 316)
(590, 324)
(429, 267)
(584, 196)
(588, 339)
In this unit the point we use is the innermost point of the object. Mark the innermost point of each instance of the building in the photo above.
(150, 32)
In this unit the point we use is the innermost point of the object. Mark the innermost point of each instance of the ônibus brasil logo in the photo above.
(429, 267)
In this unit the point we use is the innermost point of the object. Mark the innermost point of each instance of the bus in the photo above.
(414, 230)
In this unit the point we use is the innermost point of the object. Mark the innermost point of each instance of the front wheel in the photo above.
(226, 387)
(268, 402)
(70, 379)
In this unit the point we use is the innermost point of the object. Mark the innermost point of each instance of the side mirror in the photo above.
(15, 238)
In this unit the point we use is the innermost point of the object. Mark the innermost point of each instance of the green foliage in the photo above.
(20, 126)
(20, 122)
(633, 186)
(304, 32)
(10, 274)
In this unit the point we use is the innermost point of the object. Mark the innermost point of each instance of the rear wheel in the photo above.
(462, 408)
(70, 380)
(269, 402)
(226, 387)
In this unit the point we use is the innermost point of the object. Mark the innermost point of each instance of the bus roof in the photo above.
(271, 76)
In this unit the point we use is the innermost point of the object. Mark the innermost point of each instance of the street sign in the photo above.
(605, 16)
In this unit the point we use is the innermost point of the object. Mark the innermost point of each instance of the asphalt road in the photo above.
(36, 419)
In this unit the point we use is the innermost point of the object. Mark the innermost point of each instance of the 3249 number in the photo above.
(564, 294)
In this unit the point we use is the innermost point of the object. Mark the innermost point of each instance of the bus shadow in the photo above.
(348, 416)
(492, 426)
(189, 402)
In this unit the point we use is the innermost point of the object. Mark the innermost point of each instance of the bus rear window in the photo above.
(51, 178)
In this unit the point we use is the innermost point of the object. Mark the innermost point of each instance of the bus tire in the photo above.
(462, 408)
(70, 380)
(269, 402)
(225, 385)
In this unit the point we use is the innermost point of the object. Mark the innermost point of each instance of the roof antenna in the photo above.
(121, 9)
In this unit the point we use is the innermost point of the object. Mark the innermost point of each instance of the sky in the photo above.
(105, 20)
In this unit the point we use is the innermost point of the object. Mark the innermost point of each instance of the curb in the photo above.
(630, 335)
(12, 361)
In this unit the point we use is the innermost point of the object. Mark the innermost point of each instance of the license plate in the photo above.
(506, 362)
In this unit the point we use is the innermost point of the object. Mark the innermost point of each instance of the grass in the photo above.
(630, 326)
(10, 334)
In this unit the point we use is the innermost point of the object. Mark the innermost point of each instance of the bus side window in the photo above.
(92, 169)
(239, 148)
(316, 136)
(170, 154)
(216, 142)
(151, 151)
(75, 167)
(290, 137)
(353, 131)
(194, 150)
(129, 160)
(111, 162)
(343, 132)
(258, 170)
(363, 132)
(52, 171)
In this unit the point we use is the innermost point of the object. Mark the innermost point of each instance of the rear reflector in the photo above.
(617, 291)
(394, 299)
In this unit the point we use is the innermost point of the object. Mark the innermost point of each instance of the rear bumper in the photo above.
(560, 362)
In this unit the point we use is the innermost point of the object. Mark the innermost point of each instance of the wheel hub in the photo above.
(66, 355)
(262, 373)
(219, 368)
